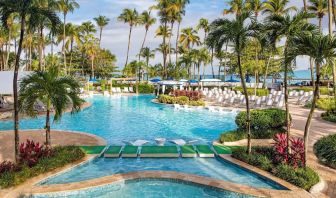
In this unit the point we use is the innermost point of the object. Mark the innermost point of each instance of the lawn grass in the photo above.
(92, 149)
(158, 149)
(204, 149)
(188, 149)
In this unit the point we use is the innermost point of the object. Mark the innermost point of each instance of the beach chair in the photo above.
(269, 102)
(131, 89)
(188, 151)
(137, 142)
(114, 90)
(257, 103)
(113, 152)
(39, 106)
(118, 90)
(182, 142)
(204, 151)
(125, 90)
(300, 100)
(159, 151)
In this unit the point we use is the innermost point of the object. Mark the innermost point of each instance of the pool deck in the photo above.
(261, 192)
(58, 137)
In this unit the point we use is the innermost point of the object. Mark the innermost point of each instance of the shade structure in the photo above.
(6, 81)
(211, 80)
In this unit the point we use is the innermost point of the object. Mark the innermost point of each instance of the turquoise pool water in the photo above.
(149, 188)
(208, 167)
(131, 118)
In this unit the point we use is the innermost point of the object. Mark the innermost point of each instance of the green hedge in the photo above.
(182, 100)
(325, 150)
(262, 157)
(240, 134)
(61, 156)
(263, 119)
(330, 115)
(144, 88)
(251, 91)
(324, 104)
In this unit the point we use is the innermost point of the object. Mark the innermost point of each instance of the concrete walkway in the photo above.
(319, 129)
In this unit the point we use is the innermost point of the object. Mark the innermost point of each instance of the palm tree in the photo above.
(320, 8)
(72, 37)
(321, 49)
(256, 6)
(305, 5)
(204, 25)
(25, 9)
(147, 54)
(236, 32)
(278, 7)
(87, 28)
(205, 58)
(131, 17)
(91, 47)
(147, 20)
(66, 6)
(235, 7)
(57, 93)
(101, 21)
(286, 26)
(189, 37)
(164, 32)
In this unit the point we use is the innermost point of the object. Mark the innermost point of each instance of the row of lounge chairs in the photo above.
(185, 151)
(160, 142)
(124, 90)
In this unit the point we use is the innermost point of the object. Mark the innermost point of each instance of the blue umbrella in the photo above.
(193, 81)
(232, 80)
(155, 80)
(248, 79)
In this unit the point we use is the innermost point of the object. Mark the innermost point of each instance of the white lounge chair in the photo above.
(182, 142)
(131, 90)
(160, 141)
(39, 106)
(137, 142)
(125, 90)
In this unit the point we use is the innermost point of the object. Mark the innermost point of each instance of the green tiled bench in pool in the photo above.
(130, 151)
(204, 151)
(159, 151)
(113, 151)
(95, 150)
(188, 151)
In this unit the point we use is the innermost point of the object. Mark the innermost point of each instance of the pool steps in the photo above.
(186, 151)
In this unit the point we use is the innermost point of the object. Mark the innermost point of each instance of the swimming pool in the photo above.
(208, 167)
(130, 118)
(149, 188)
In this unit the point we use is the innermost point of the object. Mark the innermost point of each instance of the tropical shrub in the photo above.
(192, 95)
(144, 88)
(297, 152)
(182, 100)
(302, 177)
(263, 119)
(262, 157)
(324, 104)
(21, 172)
(280, 148)
(329, 115)
(325, 150)
(251, 91)
(30, 152)
(240, 134)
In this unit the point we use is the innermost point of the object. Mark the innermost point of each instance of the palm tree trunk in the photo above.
(48, 142)
(169, 42)
(8, 49)
(15, 90)
(334, 80)
(310, 116)
(266, 72)
(330, 14)
(177, 40)
(288, 121)
(129, 44)
(311, 64)
(71, 49)
(248, 115)
(305, 5)
(164, 53)
(92, 69)
(212, 67)
(63, 45)
(100, 35)
(40, 48)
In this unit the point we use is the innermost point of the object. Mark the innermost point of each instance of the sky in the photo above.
(115, 35)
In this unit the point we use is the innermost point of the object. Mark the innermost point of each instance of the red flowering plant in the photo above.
(192, 95)
(280, 148)
(296, 155)
(7, 166)
(31, 152)
(297, 152)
